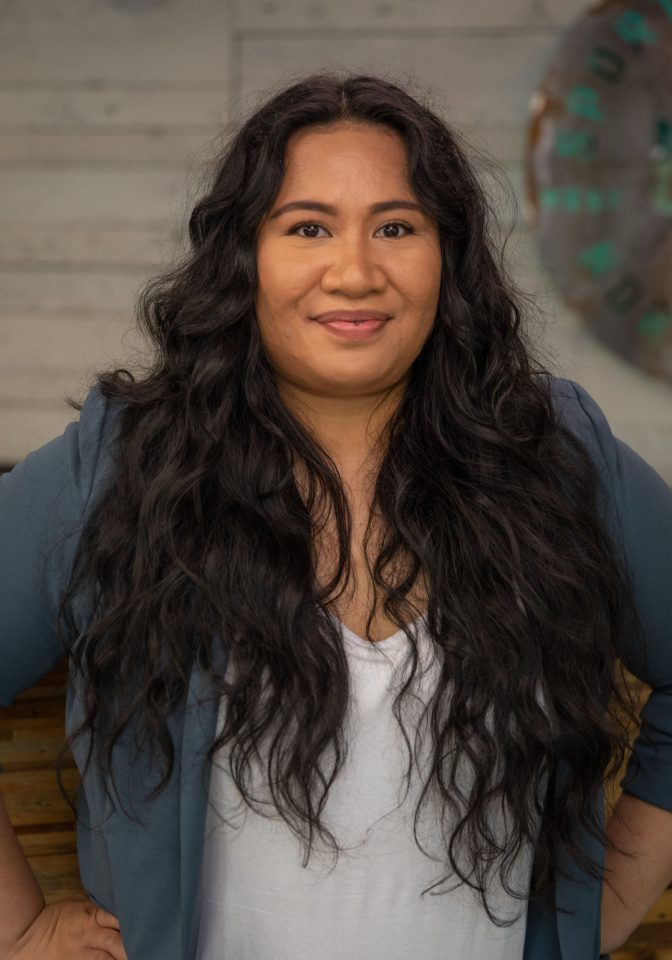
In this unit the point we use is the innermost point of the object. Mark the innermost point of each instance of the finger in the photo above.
(106, 919)
(109, 945)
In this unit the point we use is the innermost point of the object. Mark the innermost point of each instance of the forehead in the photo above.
(356, 153)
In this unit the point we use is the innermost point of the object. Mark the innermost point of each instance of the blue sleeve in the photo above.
(44, 501)
(639, 506)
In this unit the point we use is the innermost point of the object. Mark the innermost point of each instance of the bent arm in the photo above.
(638, 506)
(645, 831)
(21, 899)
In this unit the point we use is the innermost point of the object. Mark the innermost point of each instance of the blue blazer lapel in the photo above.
(579, 932)
(200, 722)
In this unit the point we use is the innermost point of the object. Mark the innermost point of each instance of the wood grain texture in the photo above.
(407, 15)
(158, 147)
(83, 193)
(63, 341)
(26, 290)
(86, 41)
(114, 243)
(113, 105)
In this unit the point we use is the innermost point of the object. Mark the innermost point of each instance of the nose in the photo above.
(352, 268)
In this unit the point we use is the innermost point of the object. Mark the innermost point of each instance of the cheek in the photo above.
(421, 290)
(281, 277)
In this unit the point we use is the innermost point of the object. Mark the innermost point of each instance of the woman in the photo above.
(344, 491)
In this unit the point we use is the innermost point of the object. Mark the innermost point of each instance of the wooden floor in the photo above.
(31, 733)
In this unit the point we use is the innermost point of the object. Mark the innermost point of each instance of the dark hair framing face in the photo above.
(202, 547)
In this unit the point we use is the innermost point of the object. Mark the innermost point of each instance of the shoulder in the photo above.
(581, 414)
(575, 404)
(44, 504)
(96, 434)
(638, 499)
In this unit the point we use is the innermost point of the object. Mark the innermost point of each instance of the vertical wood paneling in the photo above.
(481, 15)
(108, 113)
(98, 42)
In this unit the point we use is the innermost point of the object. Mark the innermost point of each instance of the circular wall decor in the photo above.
(598, 176)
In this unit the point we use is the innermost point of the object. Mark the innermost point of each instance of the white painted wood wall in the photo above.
(109, 107)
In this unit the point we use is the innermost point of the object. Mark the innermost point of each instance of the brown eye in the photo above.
(395, 225)
(306, 226)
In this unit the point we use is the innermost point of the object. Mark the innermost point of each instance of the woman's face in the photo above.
(348, 257)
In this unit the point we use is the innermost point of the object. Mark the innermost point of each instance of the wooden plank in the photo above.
(462, 73)
(52, 842)
(88, 194)
(59, 341)
(21, 758)
(43, 690)
(26, 709)
(72, 242)
(44, 825)
(34, 798)
(30, 727)
(160, 147)
(31, 289)
(407, 15)
(114, 107)
(655, 936)
(85, 40)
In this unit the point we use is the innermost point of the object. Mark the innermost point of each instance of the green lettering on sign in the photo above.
(575, 143)
(573, 199)
(607, 64)
(624, 294)
(600, 258)
(549, 198)
(654, 323)
(583, 102)
(594, 201)
(632, 27)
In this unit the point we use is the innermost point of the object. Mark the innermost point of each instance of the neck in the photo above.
(350, 429)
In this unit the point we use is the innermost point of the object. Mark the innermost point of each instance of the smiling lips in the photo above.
(351, 316)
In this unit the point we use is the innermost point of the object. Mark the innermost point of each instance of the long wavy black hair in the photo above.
(204, 542)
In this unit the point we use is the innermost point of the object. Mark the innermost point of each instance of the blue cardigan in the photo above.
(147, 872)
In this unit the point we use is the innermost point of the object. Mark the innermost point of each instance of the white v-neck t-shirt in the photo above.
(258, 902)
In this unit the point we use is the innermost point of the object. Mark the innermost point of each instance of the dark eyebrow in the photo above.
(327, 208)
